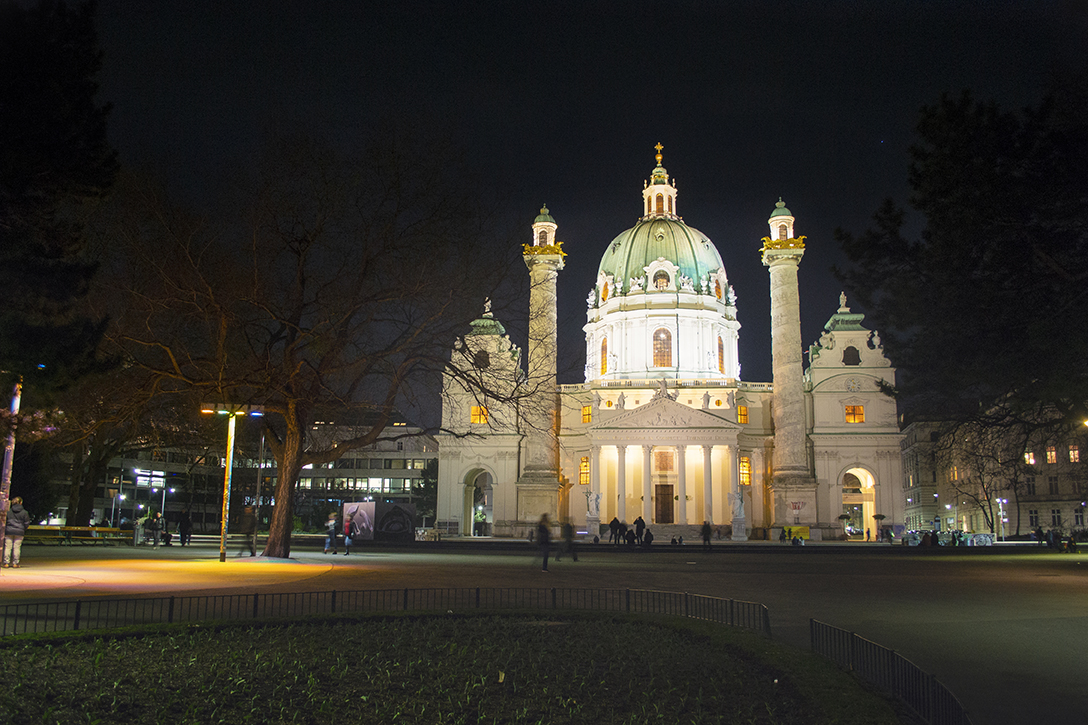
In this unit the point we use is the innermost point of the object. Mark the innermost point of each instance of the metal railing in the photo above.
(84, 614)
(889, 671)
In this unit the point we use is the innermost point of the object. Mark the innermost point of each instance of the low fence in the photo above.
(111, 613)
(889, 671)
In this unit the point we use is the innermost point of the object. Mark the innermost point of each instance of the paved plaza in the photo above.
(1004, 629)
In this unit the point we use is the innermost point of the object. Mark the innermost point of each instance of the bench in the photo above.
(43, 535)
(93, 535)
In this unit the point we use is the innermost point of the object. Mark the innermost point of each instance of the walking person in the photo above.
(352, 531)
(544, 538)
(330, 534)
(154, 525)
(568, 542)
(185, 528)
(14, 531)
(249, 528)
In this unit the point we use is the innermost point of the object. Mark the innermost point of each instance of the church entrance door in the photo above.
(663, 504)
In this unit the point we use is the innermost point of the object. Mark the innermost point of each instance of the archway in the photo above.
(858, 503)
(479, 501)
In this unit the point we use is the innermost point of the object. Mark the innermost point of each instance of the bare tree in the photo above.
(337, 294)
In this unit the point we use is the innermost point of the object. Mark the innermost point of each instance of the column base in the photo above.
(794, 497)
(593, 526)
(538, 493)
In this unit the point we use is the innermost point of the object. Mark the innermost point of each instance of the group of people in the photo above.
(1055, 540)
(332, 533)
(543, 537)
(157, 529)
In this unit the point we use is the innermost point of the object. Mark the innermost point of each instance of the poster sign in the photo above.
(380, 520)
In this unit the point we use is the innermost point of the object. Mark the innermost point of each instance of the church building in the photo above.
(664, 427)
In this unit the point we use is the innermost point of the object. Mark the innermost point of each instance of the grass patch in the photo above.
(479, 668)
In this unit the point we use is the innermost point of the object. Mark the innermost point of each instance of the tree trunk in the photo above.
(283, 513)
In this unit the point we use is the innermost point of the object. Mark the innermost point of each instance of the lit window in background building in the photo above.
(583, 471)
(1074, 454)
(1029, 458)
(1051, 454)
(587, 414)
(855, 414)
(742, 414)
(479, 414)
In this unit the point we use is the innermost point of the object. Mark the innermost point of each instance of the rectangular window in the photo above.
(855, 414)
(1056, 517)
(954, 474)
(1051, 454)
(376, 463)
(1078, 516)
(304, 483)
(1074, 454)
(1052, 485)
(478, 414)
(742, 414)
(1029, 458)
(583, 471)
(745, 471)
(587, 414)
(1033, 517)
(1029, 486)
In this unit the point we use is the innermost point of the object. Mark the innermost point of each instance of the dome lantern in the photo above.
(659, 194)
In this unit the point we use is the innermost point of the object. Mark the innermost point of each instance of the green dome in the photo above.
(544, 216)
(633, 250)
(780, 209)
(487, 325)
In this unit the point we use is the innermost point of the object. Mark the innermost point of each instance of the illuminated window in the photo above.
(1074, 454)
(583, 471)
(670, 205)
(783, 230)
(608, 404)
(604, 292)
(721, 356)
(1051, 454)
(648, 204)
(478, 414)
(1029, 458)
(954, 474)
(587, 414)
(604, 356)
(742, 414)
(662, 348)
(718, 402)
(855, 414)
(660, 203)
(542, 238)
(663, 461)
(745, 471)
(718, 289)
(661, 280)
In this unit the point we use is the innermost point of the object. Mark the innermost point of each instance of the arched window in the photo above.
(718, 288)
(482, 359)
(649, 205)
(604, 356)
(782, 231)
(721, 356)
(604, 292)
(851, 356)
(660, 204)
(662, 348)
(542, 238)
(661, 280)
(670, 205)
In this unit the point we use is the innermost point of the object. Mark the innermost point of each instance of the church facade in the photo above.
(664, 428)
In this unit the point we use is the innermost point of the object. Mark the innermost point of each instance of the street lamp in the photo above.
(1001, 514)
(232, 412)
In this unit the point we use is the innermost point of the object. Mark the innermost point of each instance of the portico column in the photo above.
(593, 505)
(621, 482)
(708, 484)
(647, 494)
(740, 521)
(682, 475)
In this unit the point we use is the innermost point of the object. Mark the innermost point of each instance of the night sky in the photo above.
(562, 103)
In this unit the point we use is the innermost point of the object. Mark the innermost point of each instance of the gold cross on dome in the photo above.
(658, 157)
(659, 147)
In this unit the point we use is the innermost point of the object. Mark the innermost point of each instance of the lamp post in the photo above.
(232, 412)
(1001, 515)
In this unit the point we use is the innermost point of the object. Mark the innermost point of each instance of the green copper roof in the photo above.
(780, 209)
(544, 216)
(845, 321)
(487, 326)
(634, 249)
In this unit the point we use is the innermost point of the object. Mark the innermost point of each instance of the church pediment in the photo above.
(663, 413)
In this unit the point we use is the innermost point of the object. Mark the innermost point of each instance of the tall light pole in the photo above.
(232, 413)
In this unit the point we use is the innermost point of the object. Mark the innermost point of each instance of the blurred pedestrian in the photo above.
(330, 534)
(248, 528)
(14, 531)
(185, 528)
(544, 538)
(568, 542)
(706, 531)
(154, 525)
